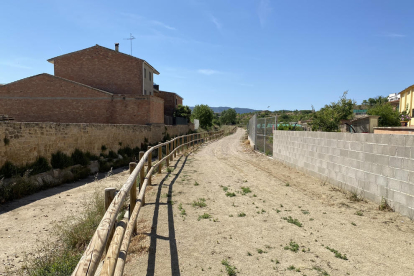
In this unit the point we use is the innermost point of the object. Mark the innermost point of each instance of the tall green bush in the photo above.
(388, 116)
(61, 160)
(204, 114)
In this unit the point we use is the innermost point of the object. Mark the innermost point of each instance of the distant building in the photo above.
(394, 100)
(407, 102)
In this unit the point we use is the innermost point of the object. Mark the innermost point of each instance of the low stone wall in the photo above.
(376, 165)
(21, 143)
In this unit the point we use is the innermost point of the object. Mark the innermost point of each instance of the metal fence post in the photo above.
(264, 137)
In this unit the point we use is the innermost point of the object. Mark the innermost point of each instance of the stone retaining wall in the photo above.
(21, 143)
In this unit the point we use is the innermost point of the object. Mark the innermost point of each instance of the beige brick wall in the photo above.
(30, 140)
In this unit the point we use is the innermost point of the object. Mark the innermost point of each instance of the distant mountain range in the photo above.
(222, 108)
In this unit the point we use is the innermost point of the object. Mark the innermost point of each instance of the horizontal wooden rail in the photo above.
(115, 265)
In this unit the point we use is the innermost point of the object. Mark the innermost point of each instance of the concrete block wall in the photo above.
(374, 165)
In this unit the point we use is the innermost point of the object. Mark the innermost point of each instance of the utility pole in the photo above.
(131, 37)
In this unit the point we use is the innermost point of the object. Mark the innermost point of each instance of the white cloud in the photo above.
(208, 72)
(158, 23)
(393, 35)
(216, 22)
(15, 64)
(264, 11)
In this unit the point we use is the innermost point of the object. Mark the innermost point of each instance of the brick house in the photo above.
(171, 101)
(93, 85)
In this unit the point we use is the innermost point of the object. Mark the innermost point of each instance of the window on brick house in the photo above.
(145, 92)
(149, 74)
(145, 72)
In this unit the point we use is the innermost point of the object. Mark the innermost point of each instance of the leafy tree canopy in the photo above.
(182, 111)
(329, 117)
(388, 116)
(375, 101)
(205, 114)
(228, 116)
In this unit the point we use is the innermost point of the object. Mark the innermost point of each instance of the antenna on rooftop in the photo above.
(131, 37)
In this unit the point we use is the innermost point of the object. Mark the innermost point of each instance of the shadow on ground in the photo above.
(9, 206)
(175, 268)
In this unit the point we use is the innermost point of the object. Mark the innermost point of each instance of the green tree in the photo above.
(228, 116)
(205, 114)
(388, 116)
(182, 111)
(329, 117)
(375, 101)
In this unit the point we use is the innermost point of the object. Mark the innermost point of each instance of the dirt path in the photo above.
(250, 231)
(26, 222)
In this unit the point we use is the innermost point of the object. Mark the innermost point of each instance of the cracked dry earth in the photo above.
(289, 224)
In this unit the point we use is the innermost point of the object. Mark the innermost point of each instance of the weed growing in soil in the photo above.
(204, 216)
(246, 190)
(337, 254)
(201, 202)
(61, 257)
(321, 271)
(293, 221)
(241, 214)
(260, 251)
(196, 183)
(291, 267)
(293, 246)
(353, 223)
(276, 261)
(169, 170)
(287, 184)
(249, 254)
(231, 270)
(353, 196)
(384, 206)
(182, 210)
(225, 188)
(305, 212)
(359, 213)
(230, 194)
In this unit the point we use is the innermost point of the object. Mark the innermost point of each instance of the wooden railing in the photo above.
(117, 240)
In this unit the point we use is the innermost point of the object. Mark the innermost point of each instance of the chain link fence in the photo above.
(260, 133)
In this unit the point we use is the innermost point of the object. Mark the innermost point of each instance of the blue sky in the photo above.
(249, 53)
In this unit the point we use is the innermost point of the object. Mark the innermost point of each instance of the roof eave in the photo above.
(155, 70)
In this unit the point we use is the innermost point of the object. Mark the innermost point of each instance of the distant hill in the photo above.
(239, 110)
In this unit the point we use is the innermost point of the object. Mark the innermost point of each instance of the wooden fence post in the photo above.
(159, 159)
(133, 191)
(149, 167)
(141, 174)
(167, 151)
(171, 149)
(175, 146)
(109, 196)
